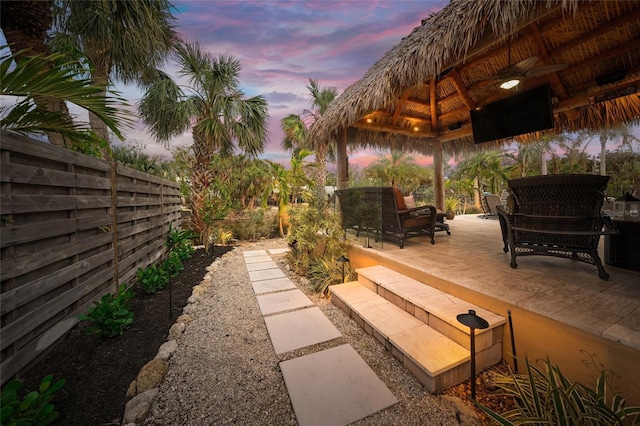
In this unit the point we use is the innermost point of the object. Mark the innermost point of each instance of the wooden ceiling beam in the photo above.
(394, 129)
(583, 100)
(434, 104)
(620, 50)
(541, 51)
(602, 30)
(456, 134)
(458, 84)
(400, 106)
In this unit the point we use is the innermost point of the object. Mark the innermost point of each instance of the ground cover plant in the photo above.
(97, 373)
(34, 408)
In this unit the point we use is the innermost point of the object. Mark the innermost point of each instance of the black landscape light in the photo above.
(473, 321)
(342, 260)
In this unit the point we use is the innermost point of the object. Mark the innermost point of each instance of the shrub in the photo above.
(153, 278)
(172, 265)
(325, 272)
(252, 224)
(111, 315)
(34, 409)
(181, 242)
(221, 237)
(545, 396)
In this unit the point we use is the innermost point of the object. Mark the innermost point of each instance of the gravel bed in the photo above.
(225, 370)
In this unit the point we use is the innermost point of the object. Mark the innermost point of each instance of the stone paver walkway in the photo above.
(330, 387)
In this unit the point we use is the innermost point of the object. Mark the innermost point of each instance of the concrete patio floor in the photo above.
(567, 291)
(560, 307)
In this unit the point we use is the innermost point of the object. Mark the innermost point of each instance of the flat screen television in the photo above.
(524, 112)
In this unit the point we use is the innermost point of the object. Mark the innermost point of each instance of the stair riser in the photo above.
(484, 340)
(434, 384)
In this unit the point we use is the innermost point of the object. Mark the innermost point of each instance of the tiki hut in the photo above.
(423, 92)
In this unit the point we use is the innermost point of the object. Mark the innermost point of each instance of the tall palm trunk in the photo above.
(322, 151)
(25, 25)
(100, 78)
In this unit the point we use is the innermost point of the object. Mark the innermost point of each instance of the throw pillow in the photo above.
(409, 202)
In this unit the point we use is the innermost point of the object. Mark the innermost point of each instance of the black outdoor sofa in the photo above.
(379, 210)
(556, 215)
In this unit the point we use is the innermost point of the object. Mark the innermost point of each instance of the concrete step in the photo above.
(436, 309)
(435, 360)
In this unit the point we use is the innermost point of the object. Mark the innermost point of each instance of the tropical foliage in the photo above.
(295, 128)
(220, 118)
(543, 395)
(118, 39)
(25, 77)
(34, 408)
(399, 169)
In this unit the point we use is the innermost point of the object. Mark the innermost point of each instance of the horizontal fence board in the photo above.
(16, 297)
(20, 173)
(29, 203)
(125, 171)
(16, 266)
(141, 240)
(139, 201)
(25, 324)
(131, 272)
(28, 353)
(142, 253)
(23, 145)
(19, 234)
(60, 247)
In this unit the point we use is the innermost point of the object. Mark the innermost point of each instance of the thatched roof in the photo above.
(438, 73)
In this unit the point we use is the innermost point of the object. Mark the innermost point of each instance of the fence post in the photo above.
(114, 223)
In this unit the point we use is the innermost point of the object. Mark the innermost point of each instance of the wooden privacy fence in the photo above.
(73, 228)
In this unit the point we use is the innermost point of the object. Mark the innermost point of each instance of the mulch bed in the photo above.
(98, 373)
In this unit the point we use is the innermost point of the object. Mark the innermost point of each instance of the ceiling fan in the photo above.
(510, 76)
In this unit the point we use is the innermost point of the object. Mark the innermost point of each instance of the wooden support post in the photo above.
(343, 161)
(114, 223)
(438, 175)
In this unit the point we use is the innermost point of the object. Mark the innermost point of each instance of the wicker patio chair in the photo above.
(490, 202)
(379, 210)
(556, 215)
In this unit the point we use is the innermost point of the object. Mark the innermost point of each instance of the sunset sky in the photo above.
(282, 44)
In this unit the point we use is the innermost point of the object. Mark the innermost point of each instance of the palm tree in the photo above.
(484, 168)
(279, 186)
(399, 169)
(34, 76)
(120, 39)
(25, 25)
(295, 128)
(213, 107)
(606, 134)
(298, 173)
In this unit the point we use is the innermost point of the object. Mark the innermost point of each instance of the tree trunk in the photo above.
(438, 176)
(25, 25)
(342, 161)
(476, 193)
(543, 163)
(321, 174)
(100, 77)
(603, 155)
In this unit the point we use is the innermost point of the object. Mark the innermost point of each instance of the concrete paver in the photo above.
(334, 387)
(297, 329)
(275, 284)
(282, 301)
(266, 274)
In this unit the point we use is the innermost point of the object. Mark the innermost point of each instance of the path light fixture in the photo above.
(342, 260)
(473, 321)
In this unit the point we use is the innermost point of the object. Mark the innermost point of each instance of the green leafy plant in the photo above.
(220, 236)
(545, 396)
(172, 265)
(111, 315)
(325, 272)
(34, 409)
(153, 278)
(179, 241)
